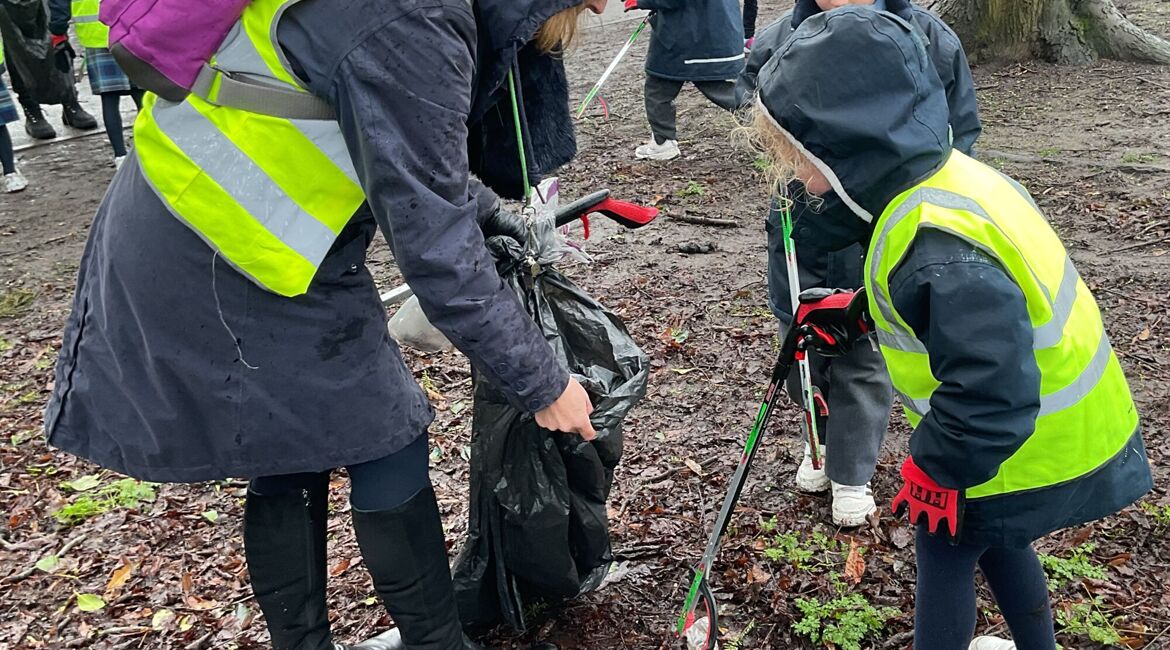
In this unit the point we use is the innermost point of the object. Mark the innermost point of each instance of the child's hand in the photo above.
(922, 496)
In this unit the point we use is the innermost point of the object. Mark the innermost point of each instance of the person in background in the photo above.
(751, 9)
(700, 41)
(1023, 421)
(106, 79)
(855, 386)
(57, 82)
(13, 180)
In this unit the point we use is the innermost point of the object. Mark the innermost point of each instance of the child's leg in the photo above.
(112, 116)
(137, 94)
(944, 603)
(1021, 591)
(660, 94)
(859, 402)
(7, 157)
(750, 10)
(721, 93)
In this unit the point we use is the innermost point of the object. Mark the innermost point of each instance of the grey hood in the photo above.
(854, 89)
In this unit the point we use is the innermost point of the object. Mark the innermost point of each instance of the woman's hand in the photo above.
(569, 413)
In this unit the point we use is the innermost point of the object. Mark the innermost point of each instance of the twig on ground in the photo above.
(1139, 168)
(1141, 244)
(705, 221)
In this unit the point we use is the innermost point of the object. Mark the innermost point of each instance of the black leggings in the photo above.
(750, 9)
(382, 484)
(7, 157)
(112, 118)
(944, 606)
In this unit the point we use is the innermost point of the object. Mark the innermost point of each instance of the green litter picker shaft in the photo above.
(613, 65)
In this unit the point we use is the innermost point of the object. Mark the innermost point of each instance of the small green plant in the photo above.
(1133, 157)
(693, 188)
(1160, 514)
(736, 642)
(844, 621)
(761, 164)
(124, 493)
(1048, 152)
(1077, 566)
(1085, 618)
(679, 336)
(15, 302)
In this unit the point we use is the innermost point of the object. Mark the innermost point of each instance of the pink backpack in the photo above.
(163, 45)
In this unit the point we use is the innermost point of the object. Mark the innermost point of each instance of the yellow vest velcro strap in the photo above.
(247, 94)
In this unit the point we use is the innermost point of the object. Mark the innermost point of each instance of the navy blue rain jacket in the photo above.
(695, 40)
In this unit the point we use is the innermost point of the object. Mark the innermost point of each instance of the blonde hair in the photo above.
(559, 33)
(760, 135)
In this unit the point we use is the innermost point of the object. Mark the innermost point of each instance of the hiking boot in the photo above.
(74, 115)
(36, 126)
(852, 504)
(653, 151)
(991, 643)
(809, 479)
(13, 182)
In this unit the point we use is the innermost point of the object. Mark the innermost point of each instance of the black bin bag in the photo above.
(538, 530)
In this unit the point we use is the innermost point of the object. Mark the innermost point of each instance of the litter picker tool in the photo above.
(823, 320)
(810, 398)
(613, 64)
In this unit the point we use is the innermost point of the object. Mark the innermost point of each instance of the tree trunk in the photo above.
(1063, 31)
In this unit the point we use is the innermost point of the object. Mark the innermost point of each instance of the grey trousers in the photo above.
(858, 391)
(660, 96)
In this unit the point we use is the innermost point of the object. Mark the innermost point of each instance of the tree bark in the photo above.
(1062, 31)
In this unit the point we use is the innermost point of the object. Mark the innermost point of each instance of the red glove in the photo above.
(833, 319)
(922, 496)
(631, 5)
(57, 39)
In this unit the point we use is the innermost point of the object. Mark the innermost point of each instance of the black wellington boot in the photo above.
(35, 124)
(284, 542)
(404, 552)
(72, 114)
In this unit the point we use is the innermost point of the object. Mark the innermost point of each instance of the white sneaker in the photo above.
(852, 504)
(118, 160)
(809, 479)
(14, 182)
(991, 643)
(666, 151)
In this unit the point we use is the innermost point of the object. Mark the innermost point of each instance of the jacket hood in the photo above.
(855, 91)
(804, 9)
(505, 31)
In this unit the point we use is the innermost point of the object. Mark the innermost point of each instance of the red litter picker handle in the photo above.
(629, 215)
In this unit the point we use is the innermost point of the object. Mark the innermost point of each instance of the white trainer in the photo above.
(13, 182)
(852, 504)
(809, 479)
(991, 643)
(118, 160)
(652, 150)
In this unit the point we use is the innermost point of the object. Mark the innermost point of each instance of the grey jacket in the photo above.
(177, 368)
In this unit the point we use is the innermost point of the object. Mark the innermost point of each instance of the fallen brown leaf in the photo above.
(854, 563)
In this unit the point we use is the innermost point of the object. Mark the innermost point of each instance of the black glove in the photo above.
(502, 222)
(63, 53)
(832, 319)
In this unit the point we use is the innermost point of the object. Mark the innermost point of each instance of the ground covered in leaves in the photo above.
(92, 560)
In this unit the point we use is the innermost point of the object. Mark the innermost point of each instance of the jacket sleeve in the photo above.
(402, 96)
(951, 63)
(973, 321)
(60, 13)
(765, 45)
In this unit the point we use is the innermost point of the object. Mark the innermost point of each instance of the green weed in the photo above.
(1133, 157)
(1085, 618)
(15, 302)
(1160, 514)
(844, 621)
(761, 164)
(1047, 152)
(789, 548)
(124, 493)
(693, 188)
(1078, 566)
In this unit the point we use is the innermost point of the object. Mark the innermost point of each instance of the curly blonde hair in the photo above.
(559, 33)
(760, 135)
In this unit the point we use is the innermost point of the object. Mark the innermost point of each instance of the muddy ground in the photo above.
(1090, 143)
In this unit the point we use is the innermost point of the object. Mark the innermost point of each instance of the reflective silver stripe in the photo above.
(1021, 190)
(85, 19)
(326, 136)
(247, 184)
(238, 55)
(723, 59)
(919, 407)
(1050, 333)
(1083, 384)
(897, 339)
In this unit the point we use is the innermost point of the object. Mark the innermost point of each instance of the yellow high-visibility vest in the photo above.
(90, 32)
(270, 194)
(1086, 411)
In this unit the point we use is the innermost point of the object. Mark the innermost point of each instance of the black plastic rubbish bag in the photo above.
(24, 28)
(538, 530)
